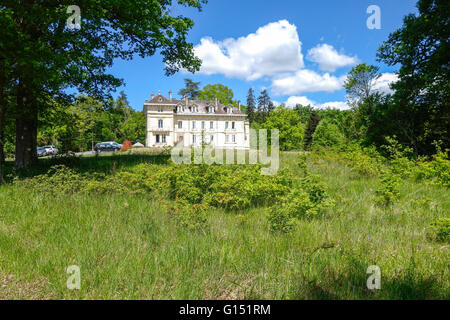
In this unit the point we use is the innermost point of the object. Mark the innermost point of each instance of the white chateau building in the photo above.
(185, 122)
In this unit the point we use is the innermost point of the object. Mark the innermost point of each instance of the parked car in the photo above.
(107, 146)
(50, 150)
(41, 152)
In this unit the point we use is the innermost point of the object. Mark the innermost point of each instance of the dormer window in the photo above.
(230, 110)
(160, 99)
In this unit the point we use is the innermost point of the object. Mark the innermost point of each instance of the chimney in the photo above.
(153, 95)
(186, 100)
(239, 105)
(170, 95)
(216, 101)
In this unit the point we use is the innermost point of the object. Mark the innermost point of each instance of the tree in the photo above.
(291, 128)
(263, 105)
(46, 57)
(304, 112)
(362, 97)
(311, 126)
(328, 134)
(420, 109)
(251, 105)
(219, 91)
(190, 89)
(360, 81)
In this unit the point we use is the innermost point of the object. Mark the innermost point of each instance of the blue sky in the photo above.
(299, 50)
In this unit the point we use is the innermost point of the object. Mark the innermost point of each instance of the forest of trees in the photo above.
(417, 114)
(35, 108)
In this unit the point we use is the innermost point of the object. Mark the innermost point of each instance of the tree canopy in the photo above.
(46, 57)
(221, 92)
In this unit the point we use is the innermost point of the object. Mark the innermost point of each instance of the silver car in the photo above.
(50, 150)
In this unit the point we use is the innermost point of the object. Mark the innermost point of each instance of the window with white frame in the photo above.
(157, 138)
(194, 138)
(226, 125)
(233, 125)
(233, 138)
(227, 138)
(160, 124)
(164, 138)
(211, 125)
(193, 124)
(211, 139)
(180, 124)
(203, 125)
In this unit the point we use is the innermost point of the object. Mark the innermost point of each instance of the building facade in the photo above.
(188, 123)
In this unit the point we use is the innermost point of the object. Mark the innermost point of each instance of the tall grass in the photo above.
(130, 247)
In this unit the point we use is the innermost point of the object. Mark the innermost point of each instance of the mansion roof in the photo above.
(202, 105)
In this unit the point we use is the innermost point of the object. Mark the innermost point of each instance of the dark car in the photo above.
(107, 146)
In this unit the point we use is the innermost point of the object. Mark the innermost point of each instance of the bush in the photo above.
(435, 172)
(388, 192)
(307, 200)
(439, 230)
(191, 217)
(126, 145)
(281, 221)
(328, 134)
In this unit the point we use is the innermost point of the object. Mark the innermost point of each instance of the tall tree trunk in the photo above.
(26, 129)
(2, 132)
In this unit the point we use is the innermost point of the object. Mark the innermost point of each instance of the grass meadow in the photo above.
(129, 247)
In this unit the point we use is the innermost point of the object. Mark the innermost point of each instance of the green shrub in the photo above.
(388, 191)
(281, 221)
(307, 200)
(439, 230)
(435, 172)
(191, 216)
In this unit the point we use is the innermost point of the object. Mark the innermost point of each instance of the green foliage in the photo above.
(251, 105)
(191, 89)
(308, 200)
(281, 221)
(311, 126)
(388, 193)
(328, 134)
(291, 128)
(420, 113)
(192, 217)
(219, 91)
(439, 230)
(435, 172)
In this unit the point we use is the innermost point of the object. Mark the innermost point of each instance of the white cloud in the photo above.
(295, 100)
(382, 84)
(274, 48)
(292, 101)
(340, 105)
(329, 59)
(306, 81)
(276, 103)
